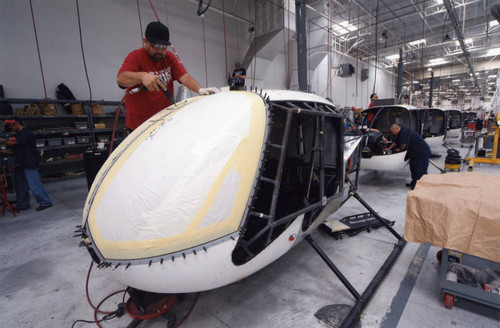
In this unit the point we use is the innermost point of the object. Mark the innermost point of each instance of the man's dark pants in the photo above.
(418, 167)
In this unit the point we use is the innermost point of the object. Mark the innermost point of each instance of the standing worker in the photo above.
(155, 68)
(373, 97)
(417, 151)
(239, 75)
(26, 175)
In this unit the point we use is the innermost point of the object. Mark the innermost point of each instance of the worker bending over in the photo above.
(418, 152)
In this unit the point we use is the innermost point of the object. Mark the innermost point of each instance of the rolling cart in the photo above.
(452, 289)
(468, 136)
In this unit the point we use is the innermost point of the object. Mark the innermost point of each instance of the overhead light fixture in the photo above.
(459, 51)
(493, 23)
(492, 76)
(493, 52)
(346, 25)
(455, 80)
(446, 38)
(392, 57)
(437, 61)
(339, 30)
(417, 42)
(383, 36)
(466, 41)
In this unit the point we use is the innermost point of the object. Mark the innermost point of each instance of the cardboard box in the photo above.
(100, 125)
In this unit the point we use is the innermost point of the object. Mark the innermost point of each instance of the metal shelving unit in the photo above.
(51, 132)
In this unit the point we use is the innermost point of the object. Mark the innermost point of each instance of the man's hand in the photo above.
(129, 79)
(208, 91)
(152, 83)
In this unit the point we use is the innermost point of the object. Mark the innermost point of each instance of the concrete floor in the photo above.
(43, 272)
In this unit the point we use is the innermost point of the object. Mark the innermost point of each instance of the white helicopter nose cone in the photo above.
(182, 179)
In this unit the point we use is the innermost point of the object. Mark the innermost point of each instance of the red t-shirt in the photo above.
(144, 104)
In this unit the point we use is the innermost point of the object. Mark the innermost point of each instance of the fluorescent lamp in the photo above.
(417, 42)
(433, 60)
(437, 61)
(493, 52)
(346, 26)
(455, 80)
(466, 41)
(492, 76)
(392, 57)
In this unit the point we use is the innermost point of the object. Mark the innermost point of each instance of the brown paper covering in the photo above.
(458, 211)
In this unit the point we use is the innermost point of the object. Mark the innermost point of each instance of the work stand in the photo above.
(362, 299)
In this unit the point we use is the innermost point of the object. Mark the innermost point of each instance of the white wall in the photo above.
(275, 77)
(110, 29)
(345, 92)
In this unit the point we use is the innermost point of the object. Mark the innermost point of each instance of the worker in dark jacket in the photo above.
(26, 176)
(418, 152)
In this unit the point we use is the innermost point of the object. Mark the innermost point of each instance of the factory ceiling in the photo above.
(458, 40)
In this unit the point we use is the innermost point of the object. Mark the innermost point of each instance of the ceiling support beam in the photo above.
(454, 20)
(421, 15)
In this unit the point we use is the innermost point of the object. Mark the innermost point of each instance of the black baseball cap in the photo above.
(156, 32)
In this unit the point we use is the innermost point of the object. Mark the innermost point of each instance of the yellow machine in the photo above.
(492, 157)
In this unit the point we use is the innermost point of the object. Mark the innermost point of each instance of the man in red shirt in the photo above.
(373, 97)
(155, 68)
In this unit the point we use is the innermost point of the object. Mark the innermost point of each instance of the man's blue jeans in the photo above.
(30, 180)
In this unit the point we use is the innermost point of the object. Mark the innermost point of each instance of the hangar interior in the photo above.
(427, 53)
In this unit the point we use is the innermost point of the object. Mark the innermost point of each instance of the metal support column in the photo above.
(300, 22)
(431, 89)
(399, 87)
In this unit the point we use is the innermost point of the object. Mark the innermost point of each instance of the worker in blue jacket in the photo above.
(418, 151)
(26, 177)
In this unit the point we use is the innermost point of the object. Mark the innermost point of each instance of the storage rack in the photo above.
(63, 138)
(452, 289)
